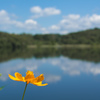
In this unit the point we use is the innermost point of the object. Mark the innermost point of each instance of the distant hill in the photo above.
(91, 37)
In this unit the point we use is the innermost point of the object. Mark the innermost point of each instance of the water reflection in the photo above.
(72, 73)
(88, 54)
(53, 68)
(52, 78)
(1, 87)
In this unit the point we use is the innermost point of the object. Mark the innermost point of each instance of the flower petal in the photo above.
(29, 72)
(39, 78)
(40, 84)
(29, 76)
(13, 78)
(19, 76)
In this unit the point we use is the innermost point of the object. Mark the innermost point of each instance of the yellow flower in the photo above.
(29, 78)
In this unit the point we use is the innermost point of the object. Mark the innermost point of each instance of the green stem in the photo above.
(24, 91)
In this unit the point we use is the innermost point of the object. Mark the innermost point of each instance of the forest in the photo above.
(90, 37)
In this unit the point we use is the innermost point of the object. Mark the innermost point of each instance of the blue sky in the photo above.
(48, 16)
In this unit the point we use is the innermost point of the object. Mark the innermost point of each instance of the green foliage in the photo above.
(1, 88)
(14, 41)
(0, 74)
(84, 37)
(88, 54)
(91, 37)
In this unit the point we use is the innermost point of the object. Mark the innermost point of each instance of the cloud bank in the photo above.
(39, 12)
(68, 23)
(72, 22)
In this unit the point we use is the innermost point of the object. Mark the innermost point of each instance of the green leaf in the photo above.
(1, 88)
(0, 74)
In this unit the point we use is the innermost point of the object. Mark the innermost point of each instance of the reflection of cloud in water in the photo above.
(52, 78)
(16, 65)
(68, 66)
(75, 67)
(32, 68)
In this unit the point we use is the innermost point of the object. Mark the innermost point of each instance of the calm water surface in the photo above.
(69, 77)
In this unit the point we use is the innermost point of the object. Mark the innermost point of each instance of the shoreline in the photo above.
(64, 46)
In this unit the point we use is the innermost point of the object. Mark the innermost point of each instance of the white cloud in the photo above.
(4, 18)
(36, 9)
(72, 16)
(44, 31)
(54, 27)
(52, 78)
(7, 22)
(51, 11)
(69, 23)
(72, 23)
(30, 21)
(18, 24)
(95, 18)
(64, 32)
(39, 12)
(78, 22)
(30, 24)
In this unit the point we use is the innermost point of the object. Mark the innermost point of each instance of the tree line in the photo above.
(91, 37)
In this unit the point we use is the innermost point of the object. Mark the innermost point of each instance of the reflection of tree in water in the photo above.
(89, 54)
(1, 87)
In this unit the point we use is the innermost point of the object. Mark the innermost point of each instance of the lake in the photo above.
(71, 73)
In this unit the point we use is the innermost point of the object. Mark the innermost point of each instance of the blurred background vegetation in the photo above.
(15, 46)
(88, 37)
(87, 54)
